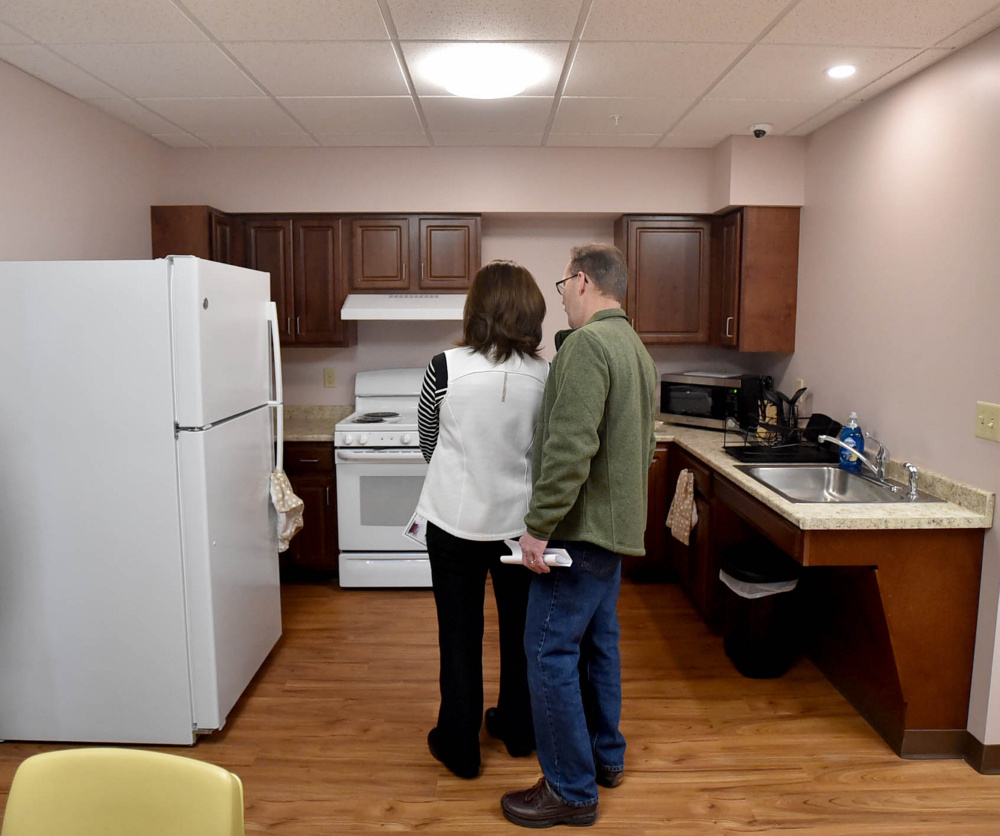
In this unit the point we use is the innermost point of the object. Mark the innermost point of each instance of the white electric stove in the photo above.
(380, 473)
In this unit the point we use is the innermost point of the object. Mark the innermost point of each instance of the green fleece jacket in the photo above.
(594, 441)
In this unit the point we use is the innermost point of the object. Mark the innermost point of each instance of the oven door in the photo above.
(377, 492)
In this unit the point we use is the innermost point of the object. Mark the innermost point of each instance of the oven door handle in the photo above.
(410, 456)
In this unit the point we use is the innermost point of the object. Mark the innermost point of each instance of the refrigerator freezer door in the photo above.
(222, 361)
(230, 559)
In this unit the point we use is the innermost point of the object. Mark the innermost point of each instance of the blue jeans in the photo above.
(574, 670)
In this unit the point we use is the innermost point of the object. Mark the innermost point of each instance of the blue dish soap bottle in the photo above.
(853, 437)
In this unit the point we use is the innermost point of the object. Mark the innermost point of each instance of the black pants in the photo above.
(458, 573)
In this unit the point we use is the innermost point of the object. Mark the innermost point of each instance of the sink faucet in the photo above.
(874, 468)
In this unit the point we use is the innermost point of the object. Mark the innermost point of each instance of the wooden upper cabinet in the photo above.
(380, 250)
(318, 280)
(413, 253)
(755, 265)
(449, 252)
(304, 255)
(668, 298)
(195, 230)
(269, 248)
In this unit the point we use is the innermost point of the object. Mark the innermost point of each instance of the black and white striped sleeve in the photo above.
(432, 392)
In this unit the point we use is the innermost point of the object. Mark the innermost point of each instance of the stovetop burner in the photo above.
(380, 415)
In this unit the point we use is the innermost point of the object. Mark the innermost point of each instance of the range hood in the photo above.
(403, 306)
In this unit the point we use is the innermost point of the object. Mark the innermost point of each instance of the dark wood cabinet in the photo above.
(310, 469)
(414, 253)
(657, 505)
(668, 258)
(195, 230)
(304, 255)
(755, 263)
(697, 563)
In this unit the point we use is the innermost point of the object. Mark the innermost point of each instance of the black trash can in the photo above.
(763, 626)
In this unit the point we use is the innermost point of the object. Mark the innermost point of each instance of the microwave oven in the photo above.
(712, 400)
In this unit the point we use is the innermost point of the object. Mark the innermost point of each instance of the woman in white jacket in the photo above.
(477, 414)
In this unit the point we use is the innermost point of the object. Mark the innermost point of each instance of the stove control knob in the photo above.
(349, 438)
(363, 438)
(407, 439)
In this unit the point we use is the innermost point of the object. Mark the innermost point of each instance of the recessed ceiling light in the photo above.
(842, 71)
(484, 71)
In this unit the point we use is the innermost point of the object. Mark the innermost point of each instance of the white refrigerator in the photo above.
(138, 550)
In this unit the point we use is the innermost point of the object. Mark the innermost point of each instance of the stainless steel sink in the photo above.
(826, 483)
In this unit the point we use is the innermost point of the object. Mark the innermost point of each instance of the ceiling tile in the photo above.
(979, 27)
(55, 70)
(519, 115)
(100, 21)
(821, 118)
(225, 116)
(554, 56)
(302, 20)
(733, 117)
(260, 140)
(347, 68)
(648, 69)
(602, 140)
(180, 140)
(12, 36)
(505, 139)
(382, 140)
(355, 115)
(798, 72)
(718, 21)
(635, 116)
(875, 22)
(902, 72)
(135, 115)
(158, 71)
(485, 20)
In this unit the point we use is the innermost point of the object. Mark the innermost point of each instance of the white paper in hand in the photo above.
(553, 557)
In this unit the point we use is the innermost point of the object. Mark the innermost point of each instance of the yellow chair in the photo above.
(122, 792)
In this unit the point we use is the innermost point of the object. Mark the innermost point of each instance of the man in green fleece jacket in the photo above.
(592, 451)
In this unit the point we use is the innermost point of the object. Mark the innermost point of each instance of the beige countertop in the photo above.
(313, 423)
(965, 506)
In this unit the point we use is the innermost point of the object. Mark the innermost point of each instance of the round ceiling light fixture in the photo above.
(842, 71)
(484, 71)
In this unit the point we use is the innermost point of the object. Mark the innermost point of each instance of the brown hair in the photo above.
(604, 265)
(503, 312)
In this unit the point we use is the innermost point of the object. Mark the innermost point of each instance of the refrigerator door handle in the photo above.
(279, 416)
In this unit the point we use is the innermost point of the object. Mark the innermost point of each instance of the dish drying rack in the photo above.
(792, 441)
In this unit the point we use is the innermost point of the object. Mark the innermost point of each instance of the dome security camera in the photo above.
(761, 129)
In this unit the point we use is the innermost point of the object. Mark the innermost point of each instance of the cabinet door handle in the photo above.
(327, 494)
(423, 272)
(309, 461)
(728, 320)
(298, 328)
(289, 326)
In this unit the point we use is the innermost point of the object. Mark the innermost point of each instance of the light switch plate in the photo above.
(988, 421)
(329, 378)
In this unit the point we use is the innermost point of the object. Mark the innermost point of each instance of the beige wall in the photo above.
(899, 287)
(74, 183)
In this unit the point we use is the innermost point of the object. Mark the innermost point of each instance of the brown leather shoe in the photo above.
(608, 777)
(541, 807)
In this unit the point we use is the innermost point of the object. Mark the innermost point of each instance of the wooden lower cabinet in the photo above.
(310, 469)
(657, 506)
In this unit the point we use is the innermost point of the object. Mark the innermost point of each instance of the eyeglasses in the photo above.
(559, 284)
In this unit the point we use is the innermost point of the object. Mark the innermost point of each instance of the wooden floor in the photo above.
(330, 737)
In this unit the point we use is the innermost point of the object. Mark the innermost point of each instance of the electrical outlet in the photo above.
(799, 384)
(988, 421)
(329, 378)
